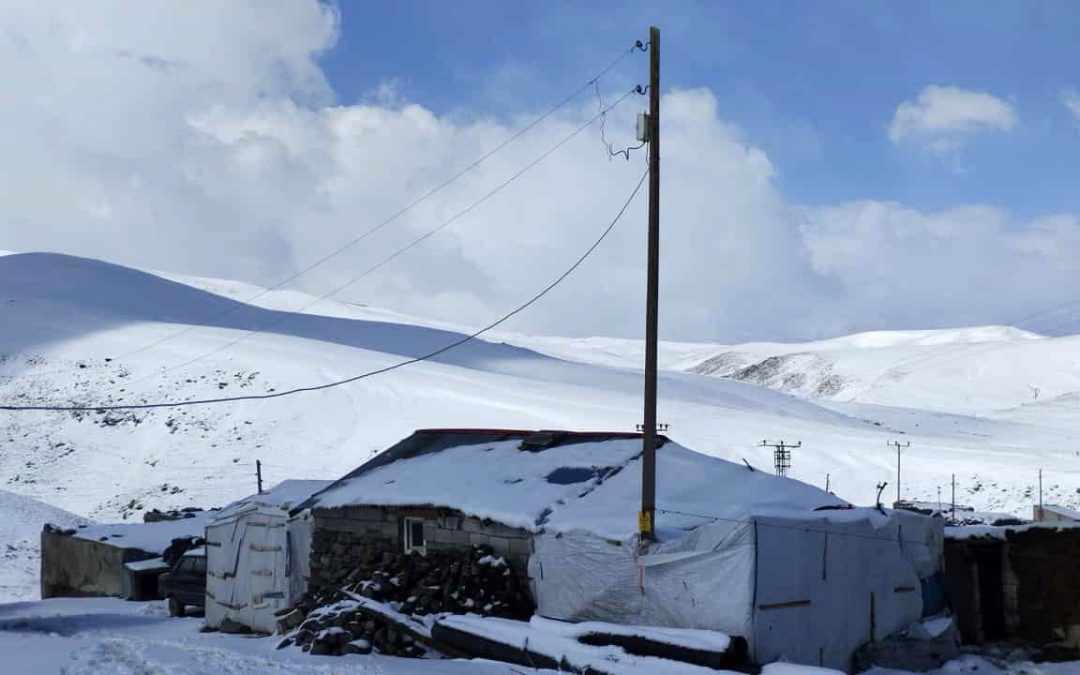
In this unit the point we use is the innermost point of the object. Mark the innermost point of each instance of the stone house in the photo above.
(734, 554)
(348, 536)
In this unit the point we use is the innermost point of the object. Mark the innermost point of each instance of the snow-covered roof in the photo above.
(149, 564)
(563, 481)
(150, 537)
(284, 495)
(1002, 531)
(1061, 511)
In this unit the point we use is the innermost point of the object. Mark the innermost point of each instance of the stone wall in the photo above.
(1045, 564)
(350, 542)
(1023, 588)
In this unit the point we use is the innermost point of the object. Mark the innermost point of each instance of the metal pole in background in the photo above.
(898, 445)
(954, 499)
(258, 475)
(646, 518)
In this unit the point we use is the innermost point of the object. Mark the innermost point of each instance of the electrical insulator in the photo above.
(643, 127)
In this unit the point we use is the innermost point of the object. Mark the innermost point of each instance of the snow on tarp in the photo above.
(150, 537)
(591, 483)
(284, 495)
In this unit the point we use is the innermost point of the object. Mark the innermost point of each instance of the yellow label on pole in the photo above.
(644, 519)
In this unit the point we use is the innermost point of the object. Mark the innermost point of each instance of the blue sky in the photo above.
(815, 85)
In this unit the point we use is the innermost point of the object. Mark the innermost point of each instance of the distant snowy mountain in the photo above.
(83, 331)
(967, 370)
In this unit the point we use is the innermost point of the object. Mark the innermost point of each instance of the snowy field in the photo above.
(989, 404)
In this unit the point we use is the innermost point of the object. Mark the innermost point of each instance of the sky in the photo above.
(827, 167)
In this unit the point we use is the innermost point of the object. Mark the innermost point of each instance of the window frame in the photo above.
(407, 539)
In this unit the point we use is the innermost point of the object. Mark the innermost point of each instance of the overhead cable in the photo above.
(637, 46)
(371, 373)
(400, 251)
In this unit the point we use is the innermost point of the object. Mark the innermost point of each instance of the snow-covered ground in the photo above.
(106, 636)
(84, 331)
(989, 404)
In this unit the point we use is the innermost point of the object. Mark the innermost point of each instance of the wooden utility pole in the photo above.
(258, 475)
(954, 499)
(899, 446)
(646, 518)
(1040, 494)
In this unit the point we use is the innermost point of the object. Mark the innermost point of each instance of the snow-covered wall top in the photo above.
(284, 495)
(586, 482)
(150, 537)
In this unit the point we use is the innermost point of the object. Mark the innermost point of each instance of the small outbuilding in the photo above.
(1055, 513)
(1018, 583)
(796, 572)
(92, 560)
(252, 556)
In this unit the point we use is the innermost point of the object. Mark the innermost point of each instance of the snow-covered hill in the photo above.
(78, 330)
(21, 520)
(982, 370)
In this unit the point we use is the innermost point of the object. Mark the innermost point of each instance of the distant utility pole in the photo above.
(258, 475)
(1040, 494)
(781, 455)
(899, 446)
(646, 519)
(954, 499)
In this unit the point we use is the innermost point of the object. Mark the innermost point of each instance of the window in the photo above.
(414, 536)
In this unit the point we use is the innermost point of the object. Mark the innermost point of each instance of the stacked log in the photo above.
(410, 587)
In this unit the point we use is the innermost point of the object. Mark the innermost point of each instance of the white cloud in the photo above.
(942, 117)
(1070, 98)
(204, 139)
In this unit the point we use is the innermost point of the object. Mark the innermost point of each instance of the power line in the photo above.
(293, 314)
(637, 46)
(370, 373)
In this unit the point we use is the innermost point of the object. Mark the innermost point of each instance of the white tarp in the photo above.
(704, 580)
(250, 556)
(246, 576)
(796, 588)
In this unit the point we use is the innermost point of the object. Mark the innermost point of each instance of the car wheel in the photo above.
(176, 608)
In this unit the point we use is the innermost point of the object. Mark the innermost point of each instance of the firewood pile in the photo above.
(391, 612)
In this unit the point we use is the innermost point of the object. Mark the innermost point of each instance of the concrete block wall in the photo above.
(75, 567)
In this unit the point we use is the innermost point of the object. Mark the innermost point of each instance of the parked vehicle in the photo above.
(185, 584)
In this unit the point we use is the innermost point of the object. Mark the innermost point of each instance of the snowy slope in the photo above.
(966, 370)
(77, 330)
(21, 520)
